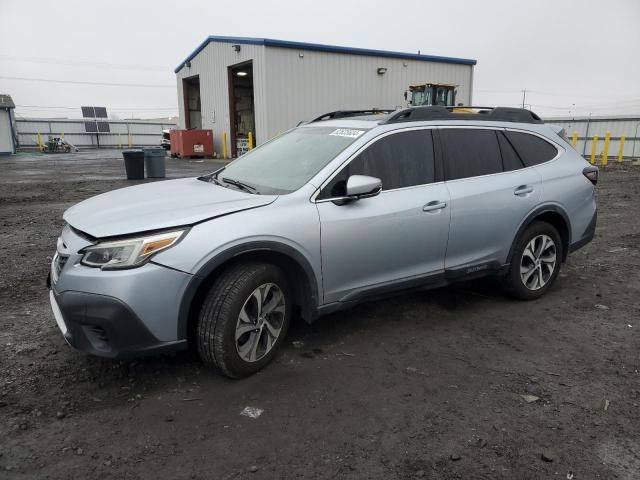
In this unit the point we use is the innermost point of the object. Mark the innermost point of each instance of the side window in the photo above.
(470, 152)
(532, 149)
(510, 158)
(400, 160)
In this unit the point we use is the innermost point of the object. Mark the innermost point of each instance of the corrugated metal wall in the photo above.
(142, 133)
(289, 88)
(616, 126)
(301, 88)
(6, 132)
(211, 65)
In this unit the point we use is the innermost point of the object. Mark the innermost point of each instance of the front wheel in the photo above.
(535, 262)
(244, 319)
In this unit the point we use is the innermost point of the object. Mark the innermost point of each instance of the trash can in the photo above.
(154, 161)
(134, 164)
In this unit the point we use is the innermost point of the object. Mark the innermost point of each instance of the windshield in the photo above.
(286, 163)
(421, 97)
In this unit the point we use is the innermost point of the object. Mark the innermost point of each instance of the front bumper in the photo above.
(105, 326)
(115, 314)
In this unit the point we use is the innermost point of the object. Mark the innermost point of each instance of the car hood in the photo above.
(158, 205)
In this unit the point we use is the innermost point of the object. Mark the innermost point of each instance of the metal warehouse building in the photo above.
(239, 85)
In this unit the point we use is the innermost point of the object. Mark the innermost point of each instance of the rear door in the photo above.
(491, 193)
(395, 238)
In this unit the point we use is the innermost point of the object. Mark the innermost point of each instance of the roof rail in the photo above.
(498, 114)
(351, 113)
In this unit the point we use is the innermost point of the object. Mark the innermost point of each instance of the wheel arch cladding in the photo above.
(298, 270)
(553, 215)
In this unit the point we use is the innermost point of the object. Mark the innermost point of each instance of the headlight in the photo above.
(128, 253)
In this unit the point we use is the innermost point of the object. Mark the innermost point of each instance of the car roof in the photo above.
(498, 117)
(352, 122)
(370, 125)
(435, 113)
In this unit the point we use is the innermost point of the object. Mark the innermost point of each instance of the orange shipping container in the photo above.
(191, 143)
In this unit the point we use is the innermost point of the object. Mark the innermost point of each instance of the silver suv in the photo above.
(348, 207)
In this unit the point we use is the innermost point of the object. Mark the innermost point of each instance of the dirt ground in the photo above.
(426, 385)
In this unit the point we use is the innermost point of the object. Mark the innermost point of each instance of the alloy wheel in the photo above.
(538, 262)
(260, 322)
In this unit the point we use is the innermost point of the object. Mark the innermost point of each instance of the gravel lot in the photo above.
(458, 382)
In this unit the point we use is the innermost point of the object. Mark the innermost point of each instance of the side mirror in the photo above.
(363, 186)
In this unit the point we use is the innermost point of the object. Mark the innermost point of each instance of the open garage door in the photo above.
(241, 106)
(192, 106)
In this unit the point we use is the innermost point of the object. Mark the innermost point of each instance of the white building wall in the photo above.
(211, 65)
(290, 88)
(304, 87)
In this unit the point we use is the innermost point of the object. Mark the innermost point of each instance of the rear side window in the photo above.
(532, 149)
(470, 152)
(400, 160)
(510, 158)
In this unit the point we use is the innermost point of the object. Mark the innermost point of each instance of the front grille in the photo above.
(61, 261)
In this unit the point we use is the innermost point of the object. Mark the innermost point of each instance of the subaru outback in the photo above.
(350, 206)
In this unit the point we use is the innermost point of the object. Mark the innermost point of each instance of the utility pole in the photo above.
(524, 96)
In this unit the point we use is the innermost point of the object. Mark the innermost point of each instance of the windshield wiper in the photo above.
(237, 183)
(212, 177)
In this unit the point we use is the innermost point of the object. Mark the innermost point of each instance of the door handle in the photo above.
(523, 190)
(433, 206)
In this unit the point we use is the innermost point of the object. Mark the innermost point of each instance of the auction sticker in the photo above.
(347, 132)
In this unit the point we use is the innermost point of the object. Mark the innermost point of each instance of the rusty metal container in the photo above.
(191, 143)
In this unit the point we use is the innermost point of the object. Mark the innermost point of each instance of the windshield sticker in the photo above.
(347, 132)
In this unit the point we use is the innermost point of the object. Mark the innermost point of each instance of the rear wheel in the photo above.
(535, 263)
(244, 319)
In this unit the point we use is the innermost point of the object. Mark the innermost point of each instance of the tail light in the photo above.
(591, 173)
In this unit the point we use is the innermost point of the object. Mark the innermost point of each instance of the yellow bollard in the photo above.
(605, 153)
(224, 145)
(594, 145)
(129, 139)
(62, 135)
(621, 149)
(574, 139)
(39, 141)
(250, 145)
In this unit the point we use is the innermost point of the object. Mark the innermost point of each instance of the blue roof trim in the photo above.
(268, 42)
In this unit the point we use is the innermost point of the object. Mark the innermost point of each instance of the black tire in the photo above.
(218, 317)
(514, 284)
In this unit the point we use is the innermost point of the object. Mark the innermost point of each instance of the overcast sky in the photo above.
(573, 57)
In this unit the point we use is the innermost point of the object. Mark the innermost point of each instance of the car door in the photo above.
(390, 240)
(490, 195)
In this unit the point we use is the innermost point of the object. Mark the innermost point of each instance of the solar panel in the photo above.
(88, 112)
(101, 112)
(95, 113)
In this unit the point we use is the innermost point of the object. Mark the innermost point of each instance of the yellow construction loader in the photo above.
(428, 94)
